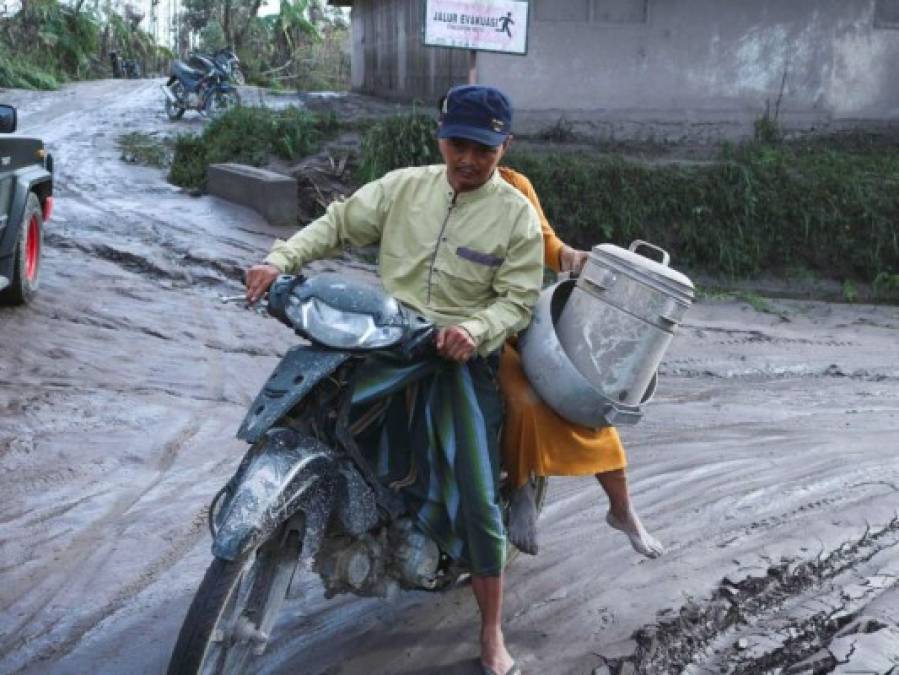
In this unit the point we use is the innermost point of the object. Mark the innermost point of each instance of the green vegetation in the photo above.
(146, 149)
(886, 286)
(758, 302)
(47, 43)
(761, 207)
(827, 208)
(248, 135)
(396, 142)
(303, 46)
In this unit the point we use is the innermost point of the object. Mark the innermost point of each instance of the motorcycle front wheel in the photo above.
(220, 101)
(174, 111)
(232, 615)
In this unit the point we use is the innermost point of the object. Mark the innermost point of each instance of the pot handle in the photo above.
(637, 243)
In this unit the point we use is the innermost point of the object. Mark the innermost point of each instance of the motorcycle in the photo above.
(124, 68)
(304, 492)
(204, 87)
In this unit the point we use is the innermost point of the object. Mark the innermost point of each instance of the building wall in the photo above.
(389, 59)
(685, 69)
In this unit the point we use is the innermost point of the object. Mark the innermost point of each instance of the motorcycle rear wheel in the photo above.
(235, 608)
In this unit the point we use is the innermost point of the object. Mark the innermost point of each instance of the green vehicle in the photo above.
(26, 201)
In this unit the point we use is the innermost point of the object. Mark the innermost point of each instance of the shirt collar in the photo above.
(472, 195)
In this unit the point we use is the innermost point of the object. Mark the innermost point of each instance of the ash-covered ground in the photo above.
(768, 462)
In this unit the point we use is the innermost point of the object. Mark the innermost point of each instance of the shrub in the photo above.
(20, 73)
(248, 135)
(760, 208)
(189, 162)
(396, 142)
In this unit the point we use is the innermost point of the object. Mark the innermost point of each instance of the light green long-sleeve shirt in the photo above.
(474, 259)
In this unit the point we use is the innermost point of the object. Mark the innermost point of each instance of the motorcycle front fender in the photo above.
(289, 474)
(299, 371)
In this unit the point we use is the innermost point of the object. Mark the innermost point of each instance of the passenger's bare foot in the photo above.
(641, 540)
(523, 519)
(495, 658)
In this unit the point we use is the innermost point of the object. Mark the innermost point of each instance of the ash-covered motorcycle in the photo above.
(304, 491)
(204, 86)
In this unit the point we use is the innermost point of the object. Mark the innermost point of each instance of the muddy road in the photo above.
(768, 462)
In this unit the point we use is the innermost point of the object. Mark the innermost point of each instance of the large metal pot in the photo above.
(593, 347)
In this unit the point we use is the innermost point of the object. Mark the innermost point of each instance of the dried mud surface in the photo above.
(768, 462)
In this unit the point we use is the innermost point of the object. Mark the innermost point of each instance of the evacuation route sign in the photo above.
(485, 25)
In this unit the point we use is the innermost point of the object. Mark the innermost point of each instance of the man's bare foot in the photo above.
(641, 540)
(495, 658)
(523, 519)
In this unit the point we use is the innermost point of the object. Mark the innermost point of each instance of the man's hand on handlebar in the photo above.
(455, 344)
(259, 278)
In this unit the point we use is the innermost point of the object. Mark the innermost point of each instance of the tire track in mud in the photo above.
(82, 548)
(683, 643)
(181, 545)
(846, 492)
(755, 336)
(180, 267)
(728, 369)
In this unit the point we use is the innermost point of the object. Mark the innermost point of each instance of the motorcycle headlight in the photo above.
(338, 329)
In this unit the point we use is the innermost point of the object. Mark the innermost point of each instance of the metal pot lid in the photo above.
(629, 259)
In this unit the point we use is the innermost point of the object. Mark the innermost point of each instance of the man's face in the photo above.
(469, 164)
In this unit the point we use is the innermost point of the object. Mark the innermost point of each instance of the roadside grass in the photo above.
(20, 72)
(396, 142)
(829, 209)
(145, 149)
(758, 302)
(248, 135)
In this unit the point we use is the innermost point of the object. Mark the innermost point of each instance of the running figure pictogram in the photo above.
(504, 22)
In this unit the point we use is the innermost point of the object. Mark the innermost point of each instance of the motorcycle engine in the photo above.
(416, 558)
(379, 564)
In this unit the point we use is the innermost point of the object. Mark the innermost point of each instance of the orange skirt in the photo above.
(537, 441)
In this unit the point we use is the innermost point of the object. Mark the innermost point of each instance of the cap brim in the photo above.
(476, 134)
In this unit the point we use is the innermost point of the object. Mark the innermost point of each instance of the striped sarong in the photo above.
(430, 429)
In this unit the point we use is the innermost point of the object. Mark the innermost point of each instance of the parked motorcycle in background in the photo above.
(204, 86)
(124, 68)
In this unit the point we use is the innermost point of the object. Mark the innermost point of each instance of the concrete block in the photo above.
(270, 194)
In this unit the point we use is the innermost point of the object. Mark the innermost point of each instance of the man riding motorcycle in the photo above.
(462, 247)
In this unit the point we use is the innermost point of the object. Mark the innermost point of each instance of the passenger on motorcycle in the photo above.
(539, 442)
(463, 247)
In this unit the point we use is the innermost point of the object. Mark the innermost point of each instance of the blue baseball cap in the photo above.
(477, 113)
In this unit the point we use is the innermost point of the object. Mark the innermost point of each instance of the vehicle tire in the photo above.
(220, 101)
(174, 111)
(233, 612)
(26, 256)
